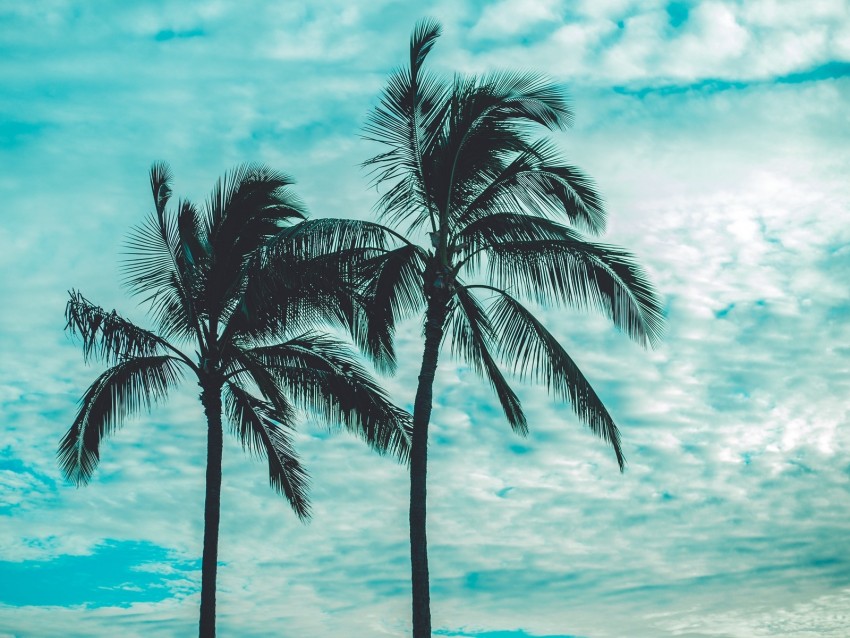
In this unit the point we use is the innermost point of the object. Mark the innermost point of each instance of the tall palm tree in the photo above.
(240, 315)
(464, 164)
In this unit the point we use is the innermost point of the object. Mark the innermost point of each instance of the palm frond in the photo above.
(153, 259)
(472, 337)
(471, 242)
(195, 252)
(408, 120)
(248, 201)
(487, 124)
(422, 40)
(288, 294)
(538, 182)
(150, 269)
(332, 253)
(264, 430)
(392, 287)
(534, 353)
(584, 275)
(350, 305)
(324, 236)
(323, 376)
(473, 146)
(518, 96)
(121, 391)
(106, 335)
(244, 368)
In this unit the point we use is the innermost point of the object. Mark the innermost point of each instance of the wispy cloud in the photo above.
(646, 44)
(717, 132)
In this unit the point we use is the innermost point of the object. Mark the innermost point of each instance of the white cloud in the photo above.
(735, 429)
(718, 40)
(511, 17)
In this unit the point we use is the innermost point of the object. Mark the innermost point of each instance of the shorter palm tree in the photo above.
(215, 282)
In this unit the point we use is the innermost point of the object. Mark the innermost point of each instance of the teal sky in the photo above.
(718, 132)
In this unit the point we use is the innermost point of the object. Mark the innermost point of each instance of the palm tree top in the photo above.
(230, 305)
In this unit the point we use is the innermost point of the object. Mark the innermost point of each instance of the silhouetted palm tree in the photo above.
(216, 285)
(464, 164)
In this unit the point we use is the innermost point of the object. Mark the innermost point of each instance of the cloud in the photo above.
(511, 17)
(656, 44)
(728, 185)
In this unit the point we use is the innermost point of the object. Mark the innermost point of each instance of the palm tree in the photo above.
(216, 285)
(464, 164)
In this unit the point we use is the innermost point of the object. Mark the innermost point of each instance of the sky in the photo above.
(719, 134)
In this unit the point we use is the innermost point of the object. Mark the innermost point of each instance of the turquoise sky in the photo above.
(718, 132)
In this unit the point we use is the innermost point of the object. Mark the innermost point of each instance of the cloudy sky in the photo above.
(718, 132)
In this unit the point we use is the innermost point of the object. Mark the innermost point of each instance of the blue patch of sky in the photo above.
(532, 34)
(390, 588)
(766, 234)
(510, 633)
(828, 71)
(838, 313)
(689, 448)
(825, 562)
(677, 13)
(306, 136)
(542, 437)
(114, 575)
(171, 34)
(703, 86)
(11, 463)
(502, 493)
(754, 546)
(15, 133)
(724, 311)
(36, 480)
(839, 249)
(442, 439)
(489, 411)
(798, 468)
(506, 580)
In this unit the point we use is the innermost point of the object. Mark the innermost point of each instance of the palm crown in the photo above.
(218, 280)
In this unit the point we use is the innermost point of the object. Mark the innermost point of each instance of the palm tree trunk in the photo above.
(419, 470)
(211, 399)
